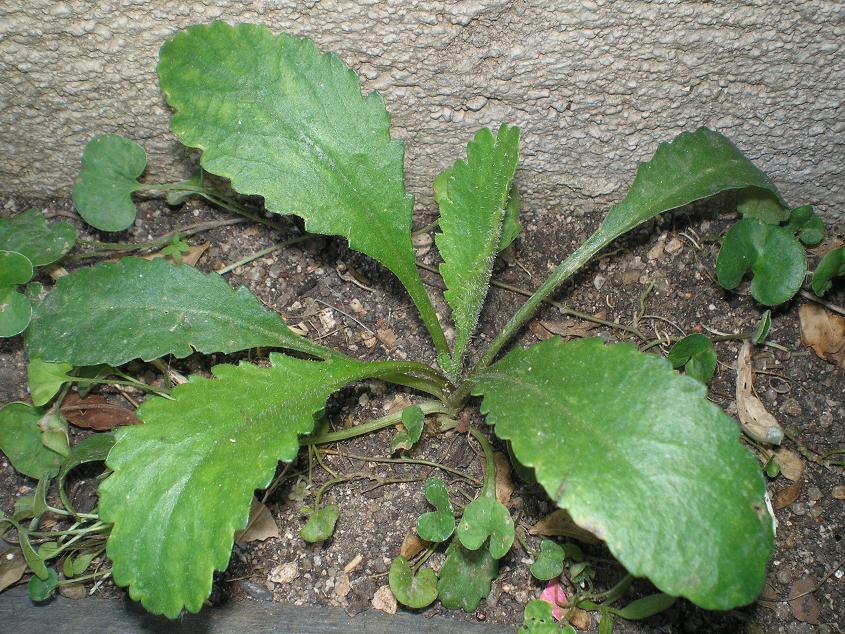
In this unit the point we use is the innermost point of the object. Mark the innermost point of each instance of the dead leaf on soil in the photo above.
(560, 524)
(567, 328)
(399, 402)
(261, 525)
(411, 545)
(824, 332)
(538, 330)
(754, 419)
(73, 591)
(12, 567)
(387, 337)
(504, 485)
(790, 463)
(95, 412)
(786, 495)
(580, 619)
(384, 600)
(284, 573)
(190, 257)
(804, 608)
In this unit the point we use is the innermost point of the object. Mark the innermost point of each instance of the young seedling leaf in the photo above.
(413, 419)
(102, 193)
(485, 518)
(415, 591)
(46, 379)
(510, 224)
(320, 524)
(646, 607)
(638, 456)
(694, 165)
(28, 234)
(761, 331)
(135, 308)
(773, 255)
(465, 577)
(763, 205)
(54, 432)
(537, 618)
(809, 227)
(20, 441)
(15, 268)
(696, 355)
(832, 265)
(42, 589)
(437, 526)
(549, 563)
(183, 481)
(296, 130)
(472, 210)
(193, 186)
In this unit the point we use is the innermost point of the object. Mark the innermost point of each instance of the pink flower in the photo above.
(553, 593)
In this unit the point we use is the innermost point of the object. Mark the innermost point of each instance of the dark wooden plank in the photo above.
(18, 614)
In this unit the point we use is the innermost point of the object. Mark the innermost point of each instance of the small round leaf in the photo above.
(320, 524)
(15, 312)
(436, 526)
(696, 355)
(550, 562)
(485, 517)
(15, 268)
(414, 591)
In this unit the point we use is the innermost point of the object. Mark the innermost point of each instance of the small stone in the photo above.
(384, 600)
(422, 244)
(342, 586)
(656, 252)
(285, 573)
(630, 276)
(387, 337)
(598, 282)
(799, 508)
(814, 493)
(784, 576)
(838, 492)
(581, 619)
(674, 246)
(357, 307)
(791, 407)
(255, 590)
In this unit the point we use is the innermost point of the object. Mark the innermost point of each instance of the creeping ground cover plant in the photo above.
(605, 430)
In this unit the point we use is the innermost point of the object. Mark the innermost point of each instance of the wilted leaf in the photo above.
(12, 567)
(791, 465)
(28, 234)
(95, 412)
(102, 193)
(569, 327)
(754, 418)
(773, 255)
(832, 265)
(320, 524)
(610, 432)
(46, 379)
(116, 312)
(472, 210)
(549, 563)
(559, 524)
(20, 441)
(696, 355)
(415, 591)
(436, 526)
(465, 577)
(413, 419)
(554, 596)
(54, 432)
(787, 495)
(261, 525)
(824, 332)
(805, 607)
(413, 545)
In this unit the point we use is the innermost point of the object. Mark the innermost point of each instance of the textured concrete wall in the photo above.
(594, 84)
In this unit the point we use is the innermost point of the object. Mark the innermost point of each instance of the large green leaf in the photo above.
(135, 308)
(694, 165)
(472, 209)
(28, 234)
(184, 480)
(773, 255)
(284, 121)
(102, 193)
(639, 457)
(465, 577)
(20, 441)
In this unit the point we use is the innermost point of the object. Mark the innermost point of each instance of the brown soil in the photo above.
(802, 391)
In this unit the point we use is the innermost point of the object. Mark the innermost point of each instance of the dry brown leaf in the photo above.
(411, 545)
(790, 463)
(95, 412)
(387, 337)
(804, 608)
(342, 586)
(569, 327)
(786, 496)
(261, 525)
(384, 600)
(399, 402)
(754, 419)
(73, 591)
(580, 619)
(560, 524)
(824, 332)
(284, 573)
(538, 330)
(190, 257)
(504, 485)
(12, 567)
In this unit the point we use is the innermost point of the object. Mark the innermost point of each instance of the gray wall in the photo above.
(594, 84)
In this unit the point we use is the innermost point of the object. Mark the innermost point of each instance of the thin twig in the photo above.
(818, 300)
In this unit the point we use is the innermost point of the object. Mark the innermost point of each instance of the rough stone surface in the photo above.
(596, 85)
